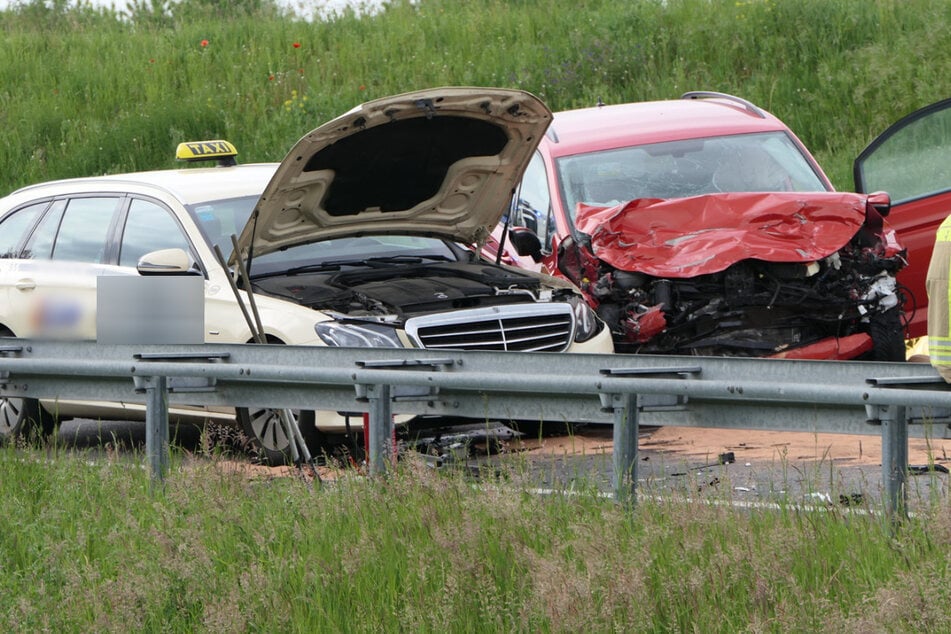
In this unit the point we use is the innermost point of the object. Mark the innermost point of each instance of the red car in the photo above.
(703, 226)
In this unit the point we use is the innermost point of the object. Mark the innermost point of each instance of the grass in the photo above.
(89, 545)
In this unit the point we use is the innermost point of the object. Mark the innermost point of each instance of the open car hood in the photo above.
(686, 237)
(440, 162)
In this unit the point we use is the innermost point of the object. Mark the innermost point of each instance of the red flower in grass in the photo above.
(204, 43)
(296, 44)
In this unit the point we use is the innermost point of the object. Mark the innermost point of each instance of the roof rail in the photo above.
(704, 94)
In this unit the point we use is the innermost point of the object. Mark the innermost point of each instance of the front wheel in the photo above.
(888, 335)
(268, 434)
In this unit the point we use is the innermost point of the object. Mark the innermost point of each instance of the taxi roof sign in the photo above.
(219, 150)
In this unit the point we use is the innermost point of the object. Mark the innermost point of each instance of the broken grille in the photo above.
(524, 328)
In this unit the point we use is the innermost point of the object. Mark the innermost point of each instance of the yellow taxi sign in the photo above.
(219, 150)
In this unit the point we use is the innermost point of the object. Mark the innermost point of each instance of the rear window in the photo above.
(14, 225)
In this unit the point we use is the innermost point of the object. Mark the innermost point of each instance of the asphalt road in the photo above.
(723, 477)
(485, 453)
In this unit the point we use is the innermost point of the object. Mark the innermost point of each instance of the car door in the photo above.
(911, 161)
(52, 290)
(14, 229)
(151, 226)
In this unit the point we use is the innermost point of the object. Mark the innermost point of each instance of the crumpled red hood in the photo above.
(685, 237)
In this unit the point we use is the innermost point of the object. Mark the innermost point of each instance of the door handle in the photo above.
(26, 285)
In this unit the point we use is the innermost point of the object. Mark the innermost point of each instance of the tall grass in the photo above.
(86, 91)
(86, 546)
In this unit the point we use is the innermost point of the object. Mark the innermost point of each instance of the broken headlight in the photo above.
(587, 324)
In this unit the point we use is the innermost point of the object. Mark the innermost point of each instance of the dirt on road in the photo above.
(689, 447)
(702, 444)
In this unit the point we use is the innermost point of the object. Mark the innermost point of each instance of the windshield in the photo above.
(353, 251)
(677, 169)
(220, 219)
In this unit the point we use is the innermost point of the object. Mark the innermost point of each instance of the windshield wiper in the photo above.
(405, 259)
(316, 268)
(308, 268)
(372, 262)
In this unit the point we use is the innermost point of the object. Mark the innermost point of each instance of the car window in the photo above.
(768, 161)
(220, 219)
(84, 229)
(15, 225)
(534, 201)
(149, 227)
(910, 159)
(40, 244)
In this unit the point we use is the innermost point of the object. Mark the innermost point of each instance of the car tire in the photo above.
(23, 417)
(266, 433)
(888, 335)
(268, 438)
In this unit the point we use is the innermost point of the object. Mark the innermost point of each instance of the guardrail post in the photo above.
(626, 430)
(626, 408)
(380, 428)
(156, 390)
(894, 458)
(156, 427)
(381, 439)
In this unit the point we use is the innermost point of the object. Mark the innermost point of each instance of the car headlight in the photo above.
(587, 324)
(363, 335)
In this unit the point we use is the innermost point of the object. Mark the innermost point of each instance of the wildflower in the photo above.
(204, 43)
(362, 87)
(296, 44)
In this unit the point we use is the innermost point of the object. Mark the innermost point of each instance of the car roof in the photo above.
(189, 186)
(621, 125)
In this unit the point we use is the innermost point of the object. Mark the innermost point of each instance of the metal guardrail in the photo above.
(894, 400)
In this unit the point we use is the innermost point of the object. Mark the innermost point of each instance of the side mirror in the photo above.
(881, 201)
(525, 242)
(166, 262)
